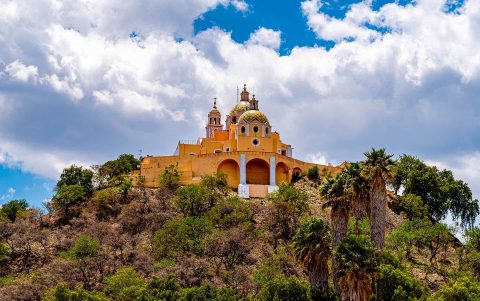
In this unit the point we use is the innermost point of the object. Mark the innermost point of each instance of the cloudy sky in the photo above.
(86, 80)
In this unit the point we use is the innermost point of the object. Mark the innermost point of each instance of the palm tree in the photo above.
(358, 189)
(335, 193)
(312, 245)
(357, 266)
(377, 165)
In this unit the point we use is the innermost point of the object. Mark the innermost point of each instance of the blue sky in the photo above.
(335, 78)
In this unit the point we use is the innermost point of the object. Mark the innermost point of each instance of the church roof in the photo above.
(253, 115)
(240, 107)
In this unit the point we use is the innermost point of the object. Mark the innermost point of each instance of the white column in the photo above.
(243, 169)
(272, 171)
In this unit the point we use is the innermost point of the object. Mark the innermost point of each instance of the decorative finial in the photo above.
(214, 102)
(244, 87)
(253, 97)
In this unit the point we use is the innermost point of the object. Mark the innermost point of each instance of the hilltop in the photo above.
(113, 241)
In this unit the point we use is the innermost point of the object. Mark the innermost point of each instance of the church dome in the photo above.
(240, 108)
(253, 115)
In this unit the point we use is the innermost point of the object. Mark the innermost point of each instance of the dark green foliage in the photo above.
(84, 247)
(472, 247)
(284, 289)
(464, 289)
(166, 289)
(208, 293)
(192, 199)
(170, 177)
(69, 195)
(413, 206)
(230, 212)
(328, 294)
(13, 209)
(77, 176)
(62, 293)
(396, 285)
(439, 190)
(289, 204)
(181, 235)
(313, 174)
(356, 253)
(124, 164)
(125, 285)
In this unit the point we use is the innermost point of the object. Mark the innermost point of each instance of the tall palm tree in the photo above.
(357, 267)
(377, 165)
(359, 191)
(312, 245)
(334, 192)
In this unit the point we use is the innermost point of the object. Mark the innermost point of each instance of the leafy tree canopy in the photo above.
(75, 175)
(13, 209)
(68, 195)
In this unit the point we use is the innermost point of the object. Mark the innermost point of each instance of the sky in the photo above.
(84, 81)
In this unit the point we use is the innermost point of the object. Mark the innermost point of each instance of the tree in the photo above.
(83, 253)
(395, 284)
(358, 188)
(334, 192)
(288, 204)
(357, 266)
(313, 173)
(439, 190)
(125, 285)
(312, 245)
(378, 164)
(284, 289)
(464, 288)
(67, 196)
(192, 199)
(170, 177)
(413, 206)
(185, 234)
(230, 212)
(208, 293)
(166, 289)
(472, 245)
(62, 293)
(75, 175)
(11, 210)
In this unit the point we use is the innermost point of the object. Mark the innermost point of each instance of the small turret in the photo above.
(244, 96)
(214, 120)
(254, 103)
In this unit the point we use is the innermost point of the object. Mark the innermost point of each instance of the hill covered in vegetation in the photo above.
(373, 231)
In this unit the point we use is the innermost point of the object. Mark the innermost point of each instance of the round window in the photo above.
(255, 142)
(242, 130)
(255, 129)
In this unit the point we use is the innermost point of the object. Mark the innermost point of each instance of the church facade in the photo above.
(247, 150)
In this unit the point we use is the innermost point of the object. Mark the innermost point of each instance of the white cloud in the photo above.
(412, 90)
(8, 195)
(21, 72)
(265, 37)
(318, 158)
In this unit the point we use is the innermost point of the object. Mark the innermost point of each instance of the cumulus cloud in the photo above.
(8, 195)
(80, 90)
(265, 37)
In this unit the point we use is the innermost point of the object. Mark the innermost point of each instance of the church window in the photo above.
(255, 129)
(284, 152)
(266, 130)
(227, 149)
(255, 142)
(234, 119)
(242, 130)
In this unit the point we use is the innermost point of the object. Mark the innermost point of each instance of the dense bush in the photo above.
(184, 235)
(464, 288)
(284, 289)
(11, 210)
(396, 285)
(192, 199)
(208, 293)
(230, 212)
(313, 173)
(170, 177)
(413, 206)
(125, 285)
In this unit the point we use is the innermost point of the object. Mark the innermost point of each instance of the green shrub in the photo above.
(230, 212)
(208, 293)
(464, 288)
(165, 289)
(413, 206)
(14, 209)
(394, 284)
(284, 289)
(62, 293)
(125, 285)
(68, 195)
(192, 199)
(170, 177)
(84, 247)
(313, 173)
(184, 235)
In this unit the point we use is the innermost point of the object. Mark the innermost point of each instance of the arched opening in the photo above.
(296, 174)
(234, 119)
(281, 173)
(231, 169)
(258, 172)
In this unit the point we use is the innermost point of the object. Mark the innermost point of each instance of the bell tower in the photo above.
(214, 120)
(253, 103)
(244, 96)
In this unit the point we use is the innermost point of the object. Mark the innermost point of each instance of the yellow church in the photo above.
(247, 150)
